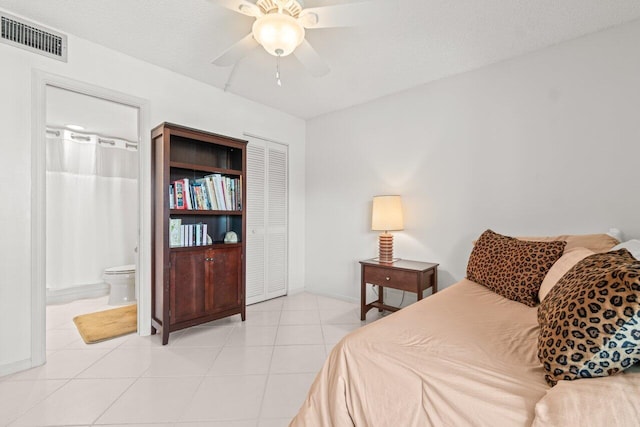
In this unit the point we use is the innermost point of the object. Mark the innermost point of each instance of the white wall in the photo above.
(544, 144)
(172, 98)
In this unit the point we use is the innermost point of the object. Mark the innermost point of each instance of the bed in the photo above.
(464, 356)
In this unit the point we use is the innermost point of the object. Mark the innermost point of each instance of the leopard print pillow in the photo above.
(590, 320)
(510, 267)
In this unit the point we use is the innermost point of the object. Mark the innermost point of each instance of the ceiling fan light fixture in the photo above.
(278, 33)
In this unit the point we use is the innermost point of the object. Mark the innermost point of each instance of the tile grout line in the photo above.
(266, 383)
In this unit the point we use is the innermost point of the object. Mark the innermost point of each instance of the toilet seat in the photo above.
(122, 284)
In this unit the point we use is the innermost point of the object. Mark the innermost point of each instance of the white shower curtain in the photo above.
(92, 207)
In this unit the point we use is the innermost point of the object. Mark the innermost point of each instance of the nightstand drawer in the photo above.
(403, 280)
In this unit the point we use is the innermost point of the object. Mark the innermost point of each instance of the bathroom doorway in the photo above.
(90, 168)
(92, 196)
(91, 208)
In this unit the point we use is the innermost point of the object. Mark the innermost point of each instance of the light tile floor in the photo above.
(225, 373)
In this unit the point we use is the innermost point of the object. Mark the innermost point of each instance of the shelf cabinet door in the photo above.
(223, 270)
(187, 285)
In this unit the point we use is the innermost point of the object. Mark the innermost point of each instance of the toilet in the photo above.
(122, 281)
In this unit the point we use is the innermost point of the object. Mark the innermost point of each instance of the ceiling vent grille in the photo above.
(32, 37)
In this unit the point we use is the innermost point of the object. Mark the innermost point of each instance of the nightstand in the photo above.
(405, 275)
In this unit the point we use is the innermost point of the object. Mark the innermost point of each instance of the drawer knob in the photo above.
(388, 278)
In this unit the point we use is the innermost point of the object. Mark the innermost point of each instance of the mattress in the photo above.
(464, 356)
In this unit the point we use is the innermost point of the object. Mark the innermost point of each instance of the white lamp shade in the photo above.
(387, 213)
(278, 33)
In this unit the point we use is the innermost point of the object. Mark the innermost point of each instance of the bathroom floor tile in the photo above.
(250, 335)
(152, 400)
(334, 333)
(180, 362)
(135, 340)
(61, 338)
(242, 361)
(16, 397)
(138, 425)
(227, 398)
(225, 373)
(285, 394)
(297, 359)
(63, 364)
(79, 343)
(327, 303)
(215, 336)
(270, 305)
(300, 317)
(242, 423)
(77, 402)
(301, 301)
(299, 335)
(262, 318)
(120, 363)
(342, 316)
(274, 422)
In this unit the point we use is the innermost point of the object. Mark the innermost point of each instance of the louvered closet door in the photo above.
(267, 223)
(276, 259)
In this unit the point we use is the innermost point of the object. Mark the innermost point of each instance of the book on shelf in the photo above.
(185, 235)
(212, 192)
(204, 190)
(178, 189)
(217, 186)
(204, 234)
(239, 193)
(187, 193)
(174, 232)
(199, 199)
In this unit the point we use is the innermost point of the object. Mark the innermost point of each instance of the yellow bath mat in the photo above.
(104, 325)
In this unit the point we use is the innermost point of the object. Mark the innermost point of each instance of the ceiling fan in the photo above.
(280, 28)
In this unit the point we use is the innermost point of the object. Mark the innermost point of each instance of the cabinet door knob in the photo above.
(388, 278)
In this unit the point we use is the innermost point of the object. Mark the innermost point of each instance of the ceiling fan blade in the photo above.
(311, 60)
(346, 15)
(236, 52)
(240, 6)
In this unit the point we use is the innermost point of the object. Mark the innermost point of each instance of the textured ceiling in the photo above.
(423, 41)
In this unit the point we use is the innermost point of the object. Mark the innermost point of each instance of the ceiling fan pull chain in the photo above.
(279, 52)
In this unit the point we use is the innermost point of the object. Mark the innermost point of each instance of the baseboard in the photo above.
(332, 295)
(61, 296)
(13, 367)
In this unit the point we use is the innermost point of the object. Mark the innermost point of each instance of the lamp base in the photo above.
(385, 245)
(386, 262)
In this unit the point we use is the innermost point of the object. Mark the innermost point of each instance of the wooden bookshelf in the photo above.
(200, 283)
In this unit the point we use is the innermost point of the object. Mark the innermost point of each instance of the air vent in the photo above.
(32, 37)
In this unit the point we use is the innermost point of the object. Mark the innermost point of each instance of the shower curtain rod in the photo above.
(87, 137)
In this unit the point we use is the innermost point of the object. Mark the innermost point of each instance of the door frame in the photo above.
(40, 81)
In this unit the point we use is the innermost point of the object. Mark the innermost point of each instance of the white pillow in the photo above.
(632, 246)
(615, 233)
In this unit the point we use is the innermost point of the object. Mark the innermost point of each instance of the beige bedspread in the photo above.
(464, 356)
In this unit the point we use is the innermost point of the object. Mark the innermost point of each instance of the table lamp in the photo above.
(386, 216)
